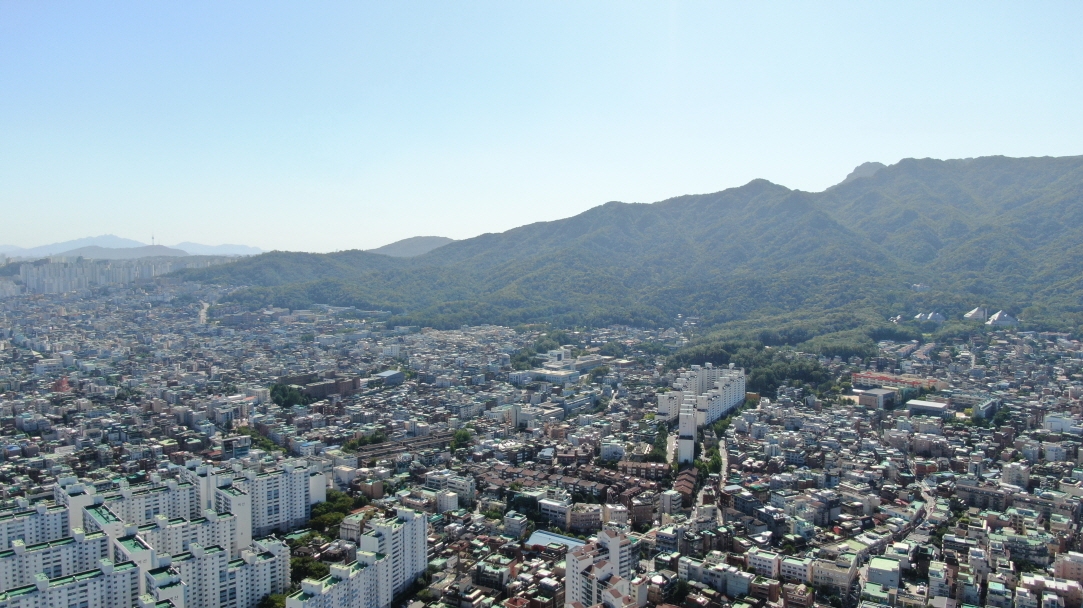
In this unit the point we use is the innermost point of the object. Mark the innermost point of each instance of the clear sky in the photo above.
(324, 126)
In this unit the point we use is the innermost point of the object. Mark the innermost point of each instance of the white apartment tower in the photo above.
(403, 539)
(140, 505)
(715, 391)
(173, 536)
(205, 577)
(282, 499)
(108, 586)
(669, 405)
(33, 525)
(73, 496)
(64, 557)
(593, 575)
(364, 583)
(686, 434)
(229, 499)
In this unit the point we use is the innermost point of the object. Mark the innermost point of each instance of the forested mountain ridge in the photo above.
(1002, 232)
(413, 246)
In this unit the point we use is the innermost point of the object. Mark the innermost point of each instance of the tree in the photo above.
(325, 522)
(1002, 417)
(259, 440)
(306, 567)
(285, 395)
(272, 600)
(462, 439)
(680, 592)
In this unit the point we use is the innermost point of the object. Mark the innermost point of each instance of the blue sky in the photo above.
(327, 126)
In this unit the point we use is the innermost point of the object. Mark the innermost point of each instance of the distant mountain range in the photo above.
(786, 266)
(94, 252)
(110, 242)
(413, 246)
(105, 240)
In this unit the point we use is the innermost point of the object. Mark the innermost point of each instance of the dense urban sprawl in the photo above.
(159, 449)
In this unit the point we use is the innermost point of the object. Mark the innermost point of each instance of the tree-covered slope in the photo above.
(995, 231)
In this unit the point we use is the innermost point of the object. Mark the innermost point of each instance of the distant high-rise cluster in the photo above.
(713, 392)
(65, 276)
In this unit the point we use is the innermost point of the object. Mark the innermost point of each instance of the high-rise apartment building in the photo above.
(278, 500)
(205, 577)
(173, 536)
(63, 557)
(364, 583)
(686, 434)
(33, 525)
(108, 586)
(403, 539)
(594, 573)
(281, 499)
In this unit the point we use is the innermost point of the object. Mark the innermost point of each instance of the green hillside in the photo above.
(758, 259)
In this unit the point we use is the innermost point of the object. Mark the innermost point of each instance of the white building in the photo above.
(205, 577)
(715, 391)
(669, 501)
(282, 498)
(232, 500)
(446, 479)
(883, 571)
(34, 525)
(615, 514)
(764, 563)
(669, 405)
(594, 573)
(72, 496)
(446, 501)
(1016, 474)
(556, 510)
(365, 583)
(686, 434)
(173, 536)
(141, 504)
(940, 582)
(64, 557)
(611, 450)
(108, 586)
(403, 539)
(796, 569)
(1002, 319)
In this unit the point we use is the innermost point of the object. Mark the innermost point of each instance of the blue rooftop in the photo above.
(541, 537)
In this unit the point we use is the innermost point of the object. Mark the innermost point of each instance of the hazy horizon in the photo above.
(341, 126)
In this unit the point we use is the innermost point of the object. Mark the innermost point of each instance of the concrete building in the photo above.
(593, 575)
(686, 434)
(282, 499)
(32, 525)
(402, 538)
(364, 583)
(883, 571)
(80, 552)
(109, 586)
(1069, 566)
(173, 536)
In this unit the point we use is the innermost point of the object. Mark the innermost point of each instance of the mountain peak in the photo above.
(864, 170)
(413, 246)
